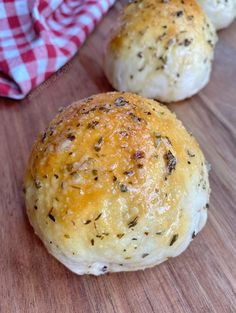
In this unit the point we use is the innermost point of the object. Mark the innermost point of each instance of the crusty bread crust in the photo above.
(116, 183)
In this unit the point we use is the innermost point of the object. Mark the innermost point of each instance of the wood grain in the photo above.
(201, 280)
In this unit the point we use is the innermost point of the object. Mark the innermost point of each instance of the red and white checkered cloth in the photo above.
(37, 37)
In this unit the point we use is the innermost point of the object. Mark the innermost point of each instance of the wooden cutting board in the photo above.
(202, 279)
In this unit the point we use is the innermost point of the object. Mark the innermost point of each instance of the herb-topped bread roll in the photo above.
(221, 12)
(161, 49)
(116, 183)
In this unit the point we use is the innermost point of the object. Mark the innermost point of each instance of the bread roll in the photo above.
(116, 183)
(161, 50)
(221, 12)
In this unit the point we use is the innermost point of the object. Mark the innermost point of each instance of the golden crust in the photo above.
(108, 166)
(151, 21)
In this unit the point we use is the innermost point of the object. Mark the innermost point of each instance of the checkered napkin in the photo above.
(37, 37)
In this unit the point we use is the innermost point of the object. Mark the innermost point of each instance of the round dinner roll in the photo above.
(161, 49)
(221, 12)
(116, 183)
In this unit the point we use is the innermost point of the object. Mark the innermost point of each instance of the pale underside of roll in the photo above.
(221, 12)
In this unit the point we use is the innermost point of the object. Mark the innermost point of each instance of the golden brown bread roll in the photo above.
(161, 49)
(116, 183)
(221, 12)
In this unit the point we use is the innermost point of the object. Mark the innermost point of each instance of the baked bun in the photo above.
(161, 50)
(116, 183)
(221, 12)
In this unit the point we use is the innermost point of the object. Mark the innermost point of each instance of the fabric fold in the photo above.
(38, 37)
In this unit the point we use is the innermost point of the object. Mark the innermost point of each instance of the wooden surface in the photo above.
(202, 279)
